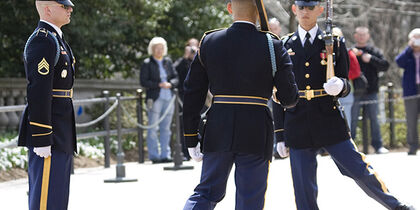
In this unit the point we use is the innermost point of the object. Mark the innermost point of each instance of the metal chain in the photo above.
(388, 100)
(132, 120)
(81, 125)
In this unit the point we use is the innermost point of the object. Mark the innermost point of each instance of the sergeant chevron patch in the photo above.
(43, 65)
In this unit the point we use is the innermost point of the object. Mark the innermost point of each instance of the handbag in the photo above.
(360, 85)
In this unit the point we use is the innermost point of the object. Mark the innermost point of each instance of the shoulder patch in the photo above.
(42, 32)
(273, 35)
(286, 37)
(201, 40)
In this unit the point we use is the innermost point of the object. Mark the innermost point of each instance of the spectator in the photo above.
(158, 77)
(354, 72)
(275, 26)
(192, 42)
(371, 63)
(409, 60)
(182, 65)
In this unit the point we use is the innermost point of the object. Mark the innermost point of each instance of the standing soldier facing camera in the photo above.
(235, 63)
(47, 126)
(315, 122)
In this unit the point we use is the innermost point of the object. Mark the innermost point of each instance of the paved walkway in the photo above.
(157, 189)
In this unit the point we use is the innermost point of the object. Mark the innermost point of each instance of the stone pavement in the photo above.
(157, 189)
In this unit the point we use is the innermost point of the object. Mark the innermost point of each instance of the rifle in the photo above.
(263, 15)
(329, 39)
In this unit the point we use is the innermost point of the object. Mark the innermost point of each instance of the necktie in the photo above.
(307, 44)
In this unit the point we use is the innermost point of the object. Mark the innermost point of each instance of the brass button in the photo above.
(307, 76)
(66, 63)
(334, 107)
(308, 87)
(307, 64)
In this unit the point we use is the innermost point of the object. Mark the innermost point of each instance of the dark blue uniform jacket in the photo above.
(236, 61)
(317, 122)
(48, 120)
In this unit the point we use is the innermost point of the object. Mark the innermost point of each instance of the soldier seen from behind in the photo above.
(235, 64)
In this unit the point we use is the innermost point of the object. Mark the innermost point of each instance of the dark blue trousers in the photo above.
(250, 178)
(349, 161)
(49, 180)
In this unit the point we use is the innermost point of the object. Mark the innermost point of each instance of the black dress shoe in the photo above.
(404, 207)
(156, 161)
(412, 152)
(166, 160)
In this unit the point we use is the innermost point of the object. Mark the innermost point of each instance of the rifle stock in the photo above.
(329, 39)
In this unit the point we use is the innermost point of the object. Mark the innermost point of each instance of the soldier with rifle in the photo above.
(236, 64)
(320, 63)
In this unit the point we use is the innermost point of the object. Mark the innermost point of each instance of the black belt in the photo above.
(58, 93)
(310, 94)
(235, 99)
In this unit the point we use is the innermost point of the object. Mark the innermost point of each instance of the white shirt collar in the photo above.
(244, 21)
(60, 33)
(312, 32)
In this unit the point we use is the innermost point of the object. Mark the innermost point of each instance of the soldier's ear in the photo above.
(229, 7)
(321, 10)
(294, 9)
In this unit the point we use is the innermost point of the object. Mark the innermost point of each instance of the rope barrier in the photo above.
(132, 120)
(81, 125)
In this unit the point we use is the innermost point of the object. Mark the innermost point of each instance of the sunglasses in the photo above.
(66, 7)
(309, 7)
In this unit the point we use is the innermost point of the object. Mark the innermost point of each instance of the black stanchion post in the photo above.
(140, 121)
(120, 154)
(391, 115)
(365, 131)
(106, 127)
(178, 150)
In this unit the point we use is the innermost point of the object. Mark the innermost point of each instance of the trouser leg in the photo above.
(352, 164)
(303, 163)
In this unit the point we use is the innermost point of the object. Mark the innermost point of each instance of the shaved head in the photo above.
(243, 10)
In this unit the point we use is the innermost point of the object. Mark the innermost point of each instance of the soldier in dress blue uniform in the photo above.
(235, 65)
(316, 122)
(47, 126)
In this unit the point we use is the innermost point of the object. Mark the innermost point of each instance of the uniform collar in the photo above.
(57, 29)
(312, 32)
(244, 24)
(244, 21)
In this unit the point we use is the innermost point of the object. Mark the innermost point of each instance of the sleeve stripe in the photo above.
(42, 134)
(40, 125)
(196, 134)
(278, 130)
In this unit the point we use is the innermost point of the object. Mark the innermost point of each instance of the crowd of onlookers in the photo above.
(159, 75)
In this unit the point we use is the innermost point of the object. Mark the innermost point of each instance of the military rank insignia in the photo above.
(290, 52)
(64, 74)
(323, 55)
(43, 67)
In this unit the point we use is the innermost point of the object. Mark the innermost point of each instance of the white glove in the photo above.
(195, 153)
(282, 149)
(43, 152)
(333, 86)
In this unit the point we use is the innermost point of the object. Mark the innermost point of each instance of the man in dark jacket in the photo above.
(47, 126)
(315, 122)
(371, 63)
(235, 64)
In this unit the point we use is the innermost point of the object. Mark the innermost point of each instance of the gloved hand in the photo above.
(195, 153)
(333, 86)
(43, 152)
(282, 149)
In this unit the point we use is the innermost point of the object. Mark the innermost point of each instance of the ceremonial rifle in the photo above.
(263, 15)
(329, 39)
